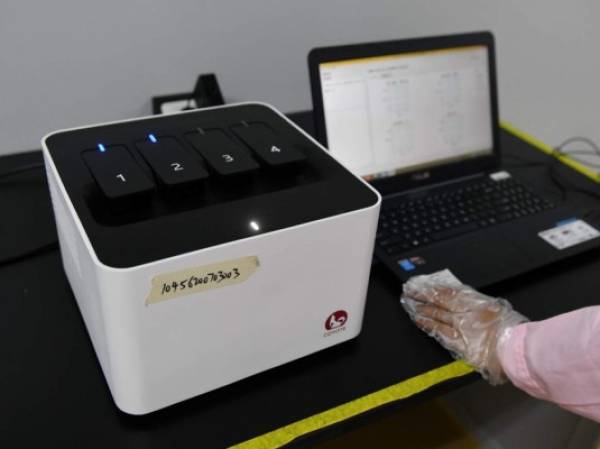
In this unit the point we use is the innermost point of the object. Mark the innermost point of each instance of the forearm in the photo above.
(557, 360)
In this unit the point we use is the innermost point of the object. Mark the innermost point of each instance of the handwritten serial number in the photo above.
(193, 281)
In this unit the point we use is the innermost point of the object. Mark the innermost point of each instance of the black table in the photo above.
(53, 393)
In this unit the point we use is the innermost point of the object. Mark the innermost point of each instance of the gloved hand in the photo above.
(467, 323)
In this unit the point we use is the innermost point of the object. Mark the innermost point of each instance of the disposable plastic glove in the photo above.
(467, 323)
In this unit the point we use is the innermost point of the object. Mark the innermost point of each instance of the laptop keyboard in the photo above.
(408, 223)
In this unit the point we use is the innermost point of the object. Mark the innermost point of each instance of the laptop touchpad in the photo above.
(478, 259)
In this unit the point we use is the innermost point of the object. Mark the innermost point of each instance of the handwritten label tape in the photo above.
(207, 277)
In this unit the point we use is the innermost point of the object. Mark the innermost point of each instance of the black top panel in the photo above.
(214, 177)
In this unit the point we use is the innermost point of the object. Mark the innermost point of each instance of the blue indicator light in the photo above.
(152, 138)
(406, 265)
(101, 147)
(566, 221)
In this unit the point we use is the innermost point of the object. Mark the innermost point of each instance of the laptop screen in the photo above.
(393, 114)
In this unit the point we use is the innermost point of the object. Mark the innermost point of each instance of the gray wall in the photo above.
(65, 63)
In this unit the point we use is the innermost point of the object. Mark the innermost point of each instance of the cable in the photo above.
(582, 153)
(550, 167)
(590, 142)
(48, 247)
(21, 169)
(563, 185)
(594, 151)
(51, 246)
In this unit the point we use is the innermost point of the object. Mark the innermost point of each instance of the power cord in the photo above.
(48, 247)
(51, 246)
(563, 185)
(21, 169)
(594, 150)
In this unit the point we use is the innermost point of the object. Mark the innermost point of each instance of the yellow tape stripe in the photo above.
(285, 435)
(402, 390)
(574, 164)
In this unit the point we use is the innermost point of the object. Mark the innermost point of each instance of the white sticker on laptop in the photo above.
(569, 233)
(500, 175)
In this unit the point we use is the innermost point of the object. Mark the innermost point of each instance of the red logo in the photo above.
(336, 319)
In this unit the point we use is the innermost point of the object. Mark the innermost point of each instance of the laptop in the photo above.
(418, 119)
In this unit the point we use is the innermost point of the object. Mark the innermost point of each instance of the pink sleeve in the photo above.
(558, 360)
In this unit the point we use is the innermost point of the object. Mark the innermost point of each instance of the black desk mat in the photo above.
(54, 395)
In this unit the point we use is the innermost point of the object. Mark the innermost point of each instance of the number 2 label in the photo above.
(177, 166)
